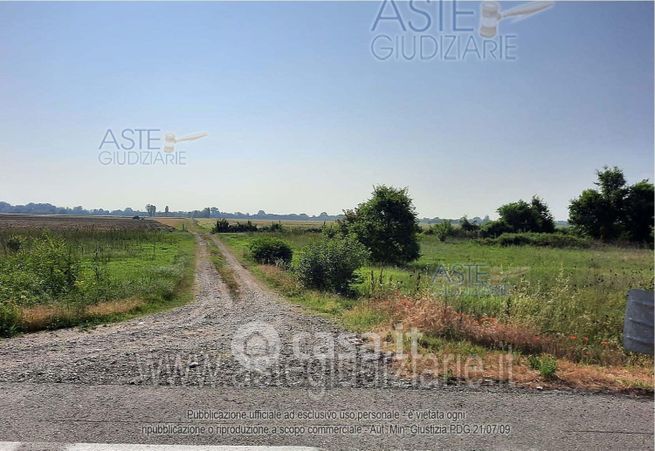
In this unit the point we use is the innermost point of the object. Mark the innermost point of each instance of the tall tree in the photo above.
(615, 210)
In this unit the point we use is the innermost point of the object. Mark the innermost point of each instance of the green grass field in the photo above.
(59, 278)
(573, 293)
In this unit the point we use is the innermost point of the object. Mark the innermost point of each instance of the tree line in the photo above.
(387, 224)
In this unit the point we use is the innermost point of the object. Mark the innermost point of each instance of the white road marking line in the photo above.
(12, 446)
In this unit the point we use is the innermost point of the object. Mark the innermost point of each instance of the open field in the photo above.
(66, 222)
(565, 302)
(59, 272)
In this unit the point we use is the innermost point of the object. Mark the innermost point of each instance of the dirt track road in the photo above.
(135, 382)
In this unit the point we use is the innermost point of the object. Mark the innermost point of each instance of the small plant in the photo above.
(271, 251)
(330, 264)
(546, 365)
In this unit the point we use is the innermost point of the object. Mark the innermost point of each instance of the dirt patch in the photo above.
(25, 222)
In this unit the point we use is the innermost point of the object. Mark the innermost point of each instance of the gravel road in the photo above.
(256, 351)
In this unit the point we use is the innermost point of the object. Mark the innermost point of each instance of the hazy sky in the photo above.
(303, 118)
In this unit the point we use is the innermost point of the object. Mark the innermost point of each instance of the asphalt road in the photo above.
(132, 414)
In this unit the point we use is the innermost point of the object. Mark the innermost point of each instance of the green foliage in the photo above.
(545, 364)
(271, 251)
(14, 244)
(330, 264)
(494, 228)
(44, 268)
(9, 319)
(387, 225)
(521, 217)
(638, 212)
(468, 226)
(615, 211)
(223, 226)
(276, 227)
(443, 230)
(78, 268)
(558, 240)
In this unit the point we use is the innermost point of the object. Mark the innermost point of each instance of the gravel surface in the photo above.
(274, 342)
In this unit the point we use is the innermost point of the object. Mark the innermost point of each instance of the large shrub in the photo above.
(387, 225)
(330, 264)
(271, 251)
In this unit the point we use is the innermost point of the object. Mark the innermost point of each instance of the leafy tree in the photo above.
(638, 211)
(521, 216)
(386, 224)
(527, 217)
(590, 213)
(615, 210)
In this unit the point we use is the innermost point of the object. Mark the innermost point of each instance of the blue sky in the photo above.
(302, 118)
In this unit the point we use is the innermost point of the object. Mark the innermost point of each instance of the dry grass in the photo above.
(453, 345)
(42, 317)
(173, 222)
(114, 307)
(437, 318)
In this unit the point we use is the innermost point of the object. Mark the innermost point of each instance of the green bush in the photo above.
(492, 229)
(330, 264)
(270, 251)
(43, 268)
(14, 244)
(443, 230)
(9, 319)
(556, 240)
(546, 365)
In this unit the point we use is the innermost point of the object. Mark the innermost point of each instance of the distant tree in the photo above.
(386, 224)
(521, 216)
(615, 210)
(151, 210)
(527, 217)
(468, 226)
(166, 209)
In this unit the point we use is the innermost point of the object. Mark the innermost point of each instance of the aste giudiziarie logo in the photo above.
(143, 147)
(447, 30)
